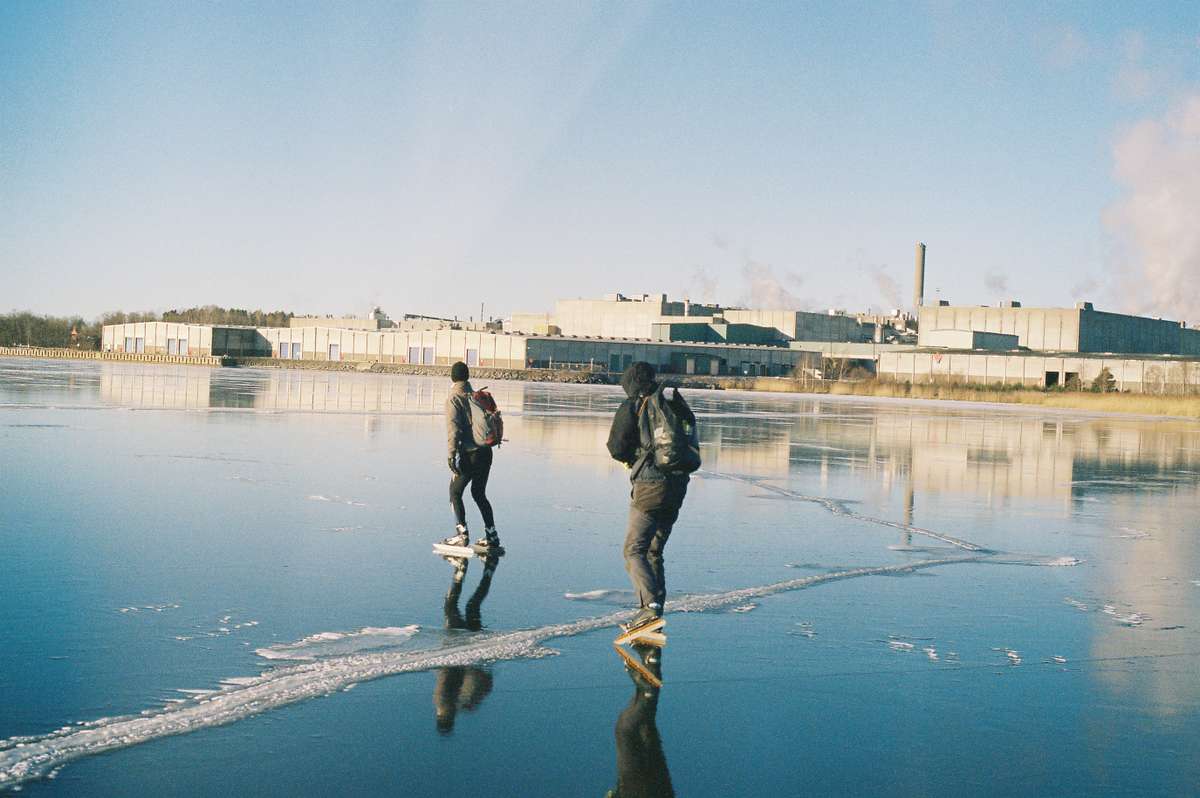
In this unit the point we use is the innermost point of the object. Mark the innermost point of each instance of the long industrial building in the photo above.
(443, 347)
(652, 316)
(1078, 329)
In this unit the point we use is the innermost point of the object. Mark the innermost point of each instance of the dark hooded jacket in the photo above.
(652, 489)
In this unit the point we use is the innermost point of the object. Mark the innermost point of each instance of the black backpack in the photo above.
(667, 436)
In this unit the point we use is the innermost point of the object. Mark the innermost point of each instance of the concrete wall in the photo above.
(1052, 330)
(970, 339)
(431, 347)
(341, 324)
(805, 326)
(156, 337)
(1065, 329)
(606, 319)
(1139, 375)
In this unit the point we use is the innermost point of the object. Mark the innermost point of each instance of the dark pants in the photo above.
(473, 470)
(645, 538)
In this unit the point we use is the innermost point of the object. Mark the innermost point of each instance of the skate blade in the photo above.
(447, 550)
(632, 662)
(653, 638)
(483, 552)
(634, 634)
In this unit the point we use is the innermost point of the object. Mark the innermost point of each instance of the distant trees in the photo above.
(22, 328)
(211, 314)
(27, 329)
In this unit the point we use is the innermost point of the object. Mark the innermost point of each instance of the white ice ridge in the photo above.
(325, 644)
(838, 507)
(26, 758)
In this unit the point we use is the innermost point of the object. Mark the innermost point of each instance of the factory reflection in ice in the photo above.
(1143, 473)
(929, 449)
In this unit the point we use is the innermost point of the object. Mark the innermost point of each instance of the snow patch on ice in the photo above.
(603, 595)
(317, 497)
(326, 644)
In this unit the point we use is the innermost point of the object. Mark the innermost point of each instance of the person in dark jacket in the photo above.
(655, 497)
(470, 463)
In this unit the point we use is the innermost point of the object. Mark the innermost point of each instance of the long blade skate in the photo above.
(633, 662)
(628, 635)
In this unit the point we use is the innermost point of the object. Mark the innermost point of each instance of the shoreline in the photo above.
(1126, 404)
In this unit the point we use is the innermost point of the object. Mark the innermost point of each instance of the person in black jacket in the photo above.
(655, 497)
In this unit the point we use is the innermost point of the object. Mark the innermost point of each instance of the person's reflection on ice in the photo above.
(462, 687)
(641, 764)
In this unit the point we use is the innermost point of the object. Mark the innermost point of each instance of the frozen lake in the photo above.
(221, 582)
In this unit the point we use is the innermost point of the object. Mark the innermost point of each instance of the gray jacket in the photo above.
(458, 420)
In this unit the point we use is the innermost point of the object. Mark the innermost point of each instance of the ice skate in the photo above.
(648, 620)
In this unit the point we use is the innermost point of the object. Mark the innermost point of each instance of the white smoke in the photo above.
(768, 292)
(1157, 223)
(996, 283)
(887, 288)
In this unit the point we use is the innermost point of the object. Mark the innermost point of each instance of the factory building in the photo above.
(1145, 374)
(442, 347)
(1080, 329)
(650, 316)
(177, 338)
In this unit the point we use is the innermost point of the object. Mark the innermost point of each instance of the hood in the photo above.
(638, 380)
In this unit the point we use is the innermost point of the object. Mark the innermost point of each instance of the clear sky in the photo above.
(323, 158)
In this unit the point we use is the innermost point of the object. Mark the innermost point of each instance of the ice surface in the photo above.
(858, 489)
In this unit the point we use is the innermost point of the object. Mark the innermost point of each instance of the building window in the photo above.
(427, 356)
(335, 352)
(140, 345)
(472, 357)
(296, 351)
(128, 345)
(414, 354)
(172, 346)
(614, 363)
(285, 350)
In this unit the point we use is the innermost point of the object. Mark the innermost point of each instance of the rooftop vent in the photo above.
(1082, 305)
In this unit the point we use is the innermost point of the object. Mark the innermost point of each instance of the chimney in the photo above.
(919, 279)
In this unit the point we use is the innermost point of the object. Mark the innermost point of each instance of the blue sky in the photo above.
(427, 158)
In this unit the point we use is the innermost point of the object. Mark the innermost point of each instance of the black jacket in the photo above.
(652, 489)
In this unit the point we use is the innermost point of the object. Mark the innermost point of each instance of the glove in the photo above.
(453, 462)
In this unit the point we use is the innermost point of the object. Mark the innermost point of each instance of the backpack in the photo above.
(487, 428)
(668, 436)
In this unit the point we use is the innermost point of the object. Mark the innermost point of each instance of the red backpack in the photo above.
(487, 427)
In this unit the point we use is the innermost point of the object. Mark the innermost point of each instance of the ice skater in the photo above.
(656, 439)
(470, 462)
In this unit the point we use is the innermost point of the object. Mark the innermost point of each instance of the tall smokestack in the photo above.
(919, 279)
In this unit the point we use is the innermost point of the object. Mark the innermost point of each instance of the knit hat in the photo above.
(459, 372)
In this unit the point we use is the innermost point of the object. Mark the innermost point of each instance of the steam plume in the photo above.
(1155, 224)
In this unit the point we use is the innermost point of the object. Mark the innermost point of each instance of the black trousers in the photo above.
(473, 470)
